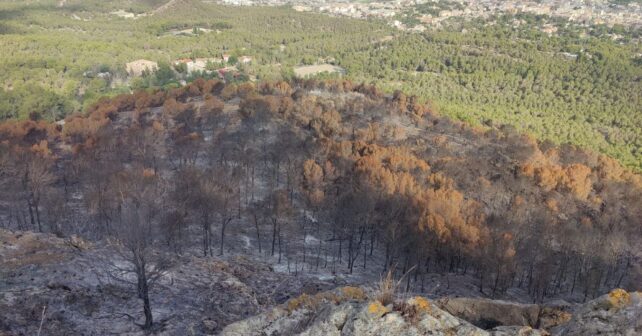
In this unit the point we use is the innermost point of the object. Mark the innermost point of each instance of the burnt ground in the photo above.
(67, 281)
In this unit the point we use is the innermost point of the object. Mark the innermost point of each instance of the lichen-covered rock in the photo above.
(616, 313)
(416, 316)
(376, 309)
(616, 299)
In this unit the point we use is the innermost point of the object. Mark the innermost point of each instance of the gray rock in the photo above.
(330, 321)
(617, 313)
(210, 326)
(487, 314)
(410, 318)
(256, 324)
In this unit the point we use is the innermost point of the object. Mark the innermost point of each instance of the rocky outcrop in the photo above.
(617, 313)
(416, 316)
(488, 314)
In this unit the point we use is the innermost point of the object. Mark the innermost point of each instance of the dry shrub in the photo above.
(353, 293)
(312, 302)
(386, 289)
(414, 308)
(303, 301)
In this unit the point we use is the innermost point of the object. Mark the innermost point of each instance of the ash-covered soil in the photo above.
(70, 287)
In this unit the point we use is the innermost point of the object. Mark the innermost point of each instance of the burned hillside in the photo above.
(327, 175)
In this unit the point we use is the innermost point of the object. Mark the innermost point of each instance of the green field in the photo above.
(576, 88)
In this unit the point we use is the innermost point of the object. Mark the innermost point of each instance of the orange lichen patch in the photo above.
(353, 293)
(619, 298)
(376, 309)
(421, 304)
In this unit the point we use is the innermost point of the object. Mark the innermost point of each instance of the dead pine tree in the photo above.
(135, 243)
(137, 237)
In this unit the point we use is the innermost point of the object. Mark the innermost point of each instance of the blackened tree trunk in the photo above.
(258, 231)
(274, 225)
(224, 224)
(280, 249)
(31, 216)
(206, 234)
(143, 288)
(147, 309)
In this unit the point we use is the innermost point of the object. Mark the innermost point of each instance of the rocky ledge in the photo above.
(348, 311)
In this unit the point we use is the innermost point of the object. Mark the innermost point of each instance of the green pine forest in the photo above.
(576, 87)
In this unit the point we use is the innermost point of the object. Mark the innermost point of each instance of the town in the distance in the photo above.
(433, 12)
